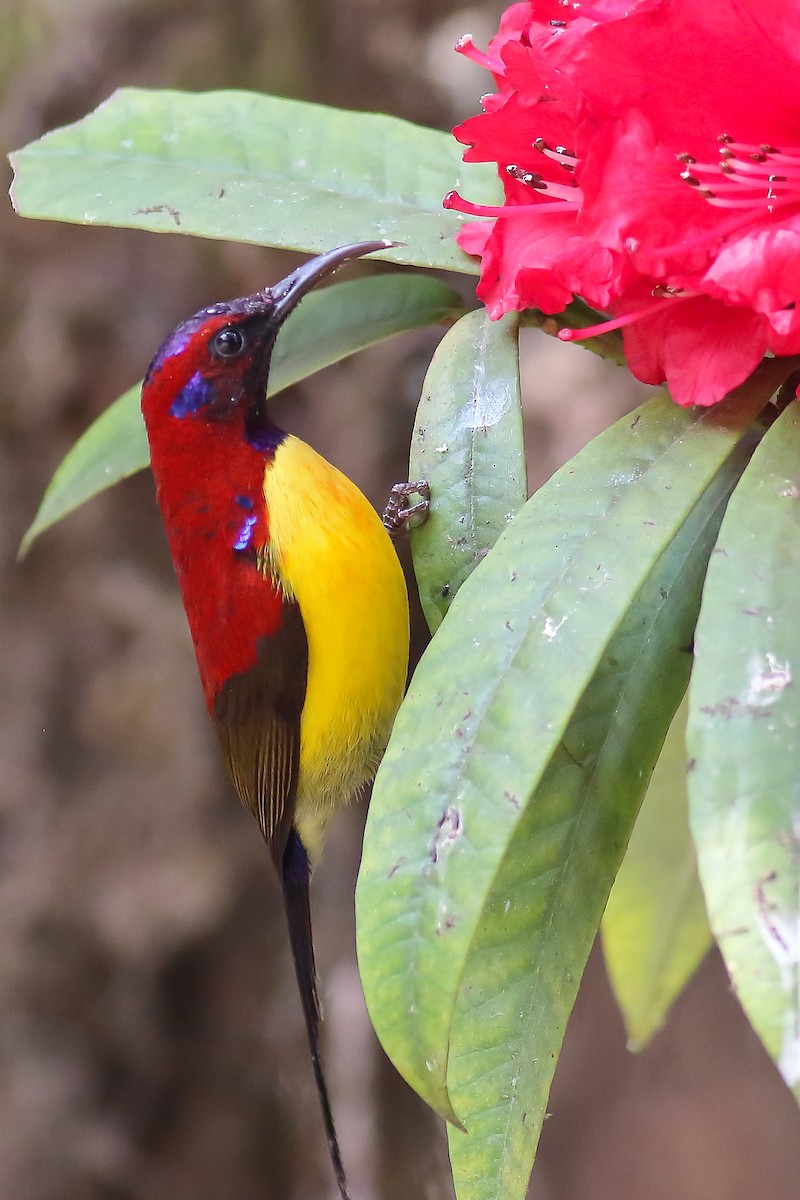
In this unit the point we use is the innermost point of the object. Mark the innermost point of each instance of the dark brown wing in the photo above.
(257, 718)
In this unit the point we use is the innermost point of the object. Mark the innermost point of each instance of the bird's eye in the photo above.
(228, 343)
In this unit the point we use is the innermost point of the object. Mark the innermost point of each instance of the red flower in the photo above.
(637, 141)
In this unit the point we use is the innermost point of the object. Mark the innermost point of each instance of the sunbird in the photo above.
(294, 594)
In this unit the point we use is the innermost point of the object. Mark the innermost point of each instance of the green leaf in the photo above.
(534, 937)
(492, 697)
(251, 168)
(330, 324)
(655, 927)
(467, 444)
(112, 448)
(744, 786)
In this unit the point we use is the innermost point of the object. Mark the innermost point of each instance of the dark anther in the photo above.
(759, 158)
(727, 169)
(707, 193)
(725, 153)
(523, 176)
(539, 144)
(769, 149)
(558, 24)
(776, 179)
(527, 177)
(686, 158)
(724, 137)
(689, 178)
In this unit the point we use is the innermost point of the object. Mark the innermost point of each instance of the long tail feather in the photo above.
(296, 879)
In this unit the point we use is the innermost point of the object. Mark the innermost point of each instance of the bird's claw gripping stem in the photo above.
(398, 514)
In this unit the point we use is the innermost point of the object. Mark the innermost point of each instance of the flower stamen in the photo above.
(555, 197)
(747, 176)
(540, 184)
(565, 158)
(466, 46)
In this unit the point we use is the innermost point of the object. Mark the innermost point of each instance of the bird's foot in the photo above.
(399, 515)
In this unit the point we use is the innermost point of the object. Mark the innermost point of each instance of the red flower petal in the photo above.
(627, 100)
(701, 348)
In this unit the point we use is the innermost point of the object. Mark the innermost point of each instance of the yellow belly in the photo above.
(330, 552)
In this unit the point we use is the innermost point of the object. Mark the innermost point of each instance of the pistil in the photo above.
(661, 296)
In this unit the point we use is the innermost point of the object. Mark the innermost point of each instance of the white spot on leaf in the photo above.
(768, 677)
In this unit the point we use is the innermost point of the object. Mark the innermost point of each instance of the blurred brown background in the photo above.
(151, 1044)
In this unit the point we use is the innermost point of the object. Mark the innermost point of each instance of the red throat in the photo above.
(210, 487)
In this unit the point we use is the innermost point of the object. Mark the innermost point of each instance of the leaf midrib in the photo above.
(417, 939)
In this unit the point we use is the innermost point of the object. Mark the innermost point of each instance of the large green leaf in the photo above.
(467, 444)
(251, 168)
(330, 324)
(491, 700)
(537, 928)
(655, 927)
(743, 739)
